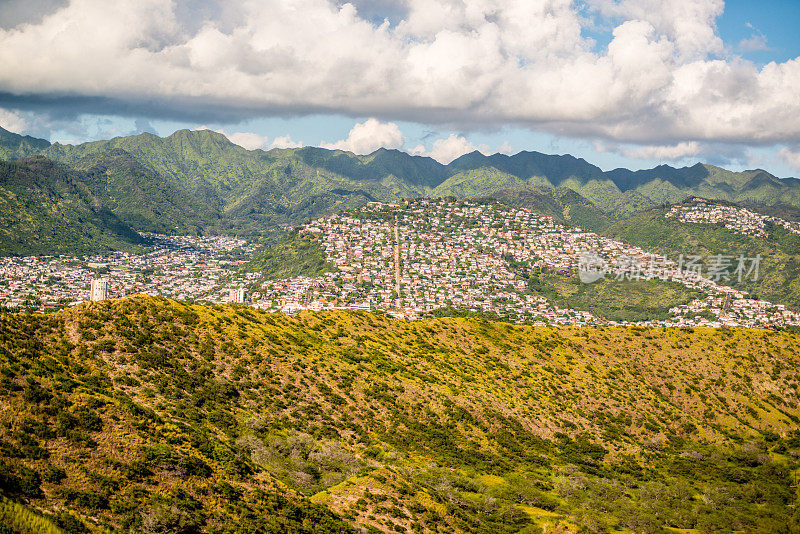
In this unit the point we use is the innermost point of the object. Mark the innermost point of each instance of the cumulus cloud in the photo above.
(665, 74)
(12, 121)
(792, 157)
(250, 141)
(754, 43)
(664, 152)
(505, 148)
(689, 24)
(368, 136)
(653, 152)
(446, 150)
(254, 141)
(285, 141)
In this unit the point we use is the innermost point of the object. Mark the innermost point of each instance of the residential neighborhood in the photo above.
(737, 219)
(179, 267)
(406, 259)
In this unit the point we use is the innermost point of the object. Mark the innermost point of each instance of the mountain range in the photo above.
(200, 182)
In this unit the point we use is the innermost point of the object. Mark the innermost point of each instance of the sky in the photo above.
(620, 83)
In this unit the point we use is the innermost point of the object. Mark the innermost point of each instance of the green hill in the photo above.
(564, 205)
(254, 191)
(778, 277)
(289, 257)
(148, 415)
(668, 184)
(47, 209)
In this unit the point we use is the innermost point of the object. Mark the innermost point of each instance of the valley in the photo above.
(307, 340)
(399, 267)
(425, 257)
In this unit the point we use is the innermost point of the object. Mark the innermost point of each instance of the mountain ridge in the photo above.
(231, 189)
(471, 160)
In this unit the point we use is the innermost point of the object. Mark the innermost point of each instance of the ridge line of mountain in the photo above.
(30, 145)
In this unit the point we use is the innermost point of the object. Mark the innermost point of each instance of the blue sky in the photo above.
(398, 85)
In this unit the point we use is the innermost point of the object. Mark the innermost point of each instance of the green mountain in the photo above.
(620, 192)
(201, 182)
(48, 209)
(148, 415)
(667, 184)
(142, 198)
(282, 257)
(564, 205)
(477, 175)
(251, 191)
(15, 146)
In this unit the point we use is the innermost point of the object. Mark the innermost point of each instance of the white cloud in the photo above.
(285, 141)
(665, 74)
(13, 122)
(368, 136)
(253, 141)
(689, 24)
(792, 157)
(505, 148)
(755, 43)
(250, 141)
(446, 150)
(653, 152)
(665, 152)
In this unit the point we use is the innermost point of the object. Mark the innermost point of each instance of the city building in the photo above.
(237, 295)
(98, 290)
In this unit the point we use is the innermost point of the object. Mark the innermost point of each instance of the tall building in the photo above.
(99, 290)
(237, 295)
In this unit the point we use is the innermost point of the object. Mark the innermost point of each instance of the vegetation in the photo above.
(778, 279)
(253, 191)
(299, 254)
(46, 209)
(564, 205)
(142, 198)
(17, 518)
(149, 415)
(615, 300)
(198, 181)
(14, 146)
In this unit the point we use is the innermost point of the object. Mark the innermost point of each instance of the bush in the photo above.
(179, 513)
(89, 420)
(22, 481)
(54, 475)
(69, 523)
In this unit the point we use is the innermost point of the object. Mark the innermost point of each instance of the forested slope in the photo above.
(153, 416)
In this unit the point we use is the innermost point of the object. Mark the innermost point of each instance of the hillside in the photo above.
(780, 250)
(150, 415)
(629, 300)
(143, 198)
(255, 190)
(228, 189)
(14, 146)
(564, 205)
(46, 209)
(288, 257)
